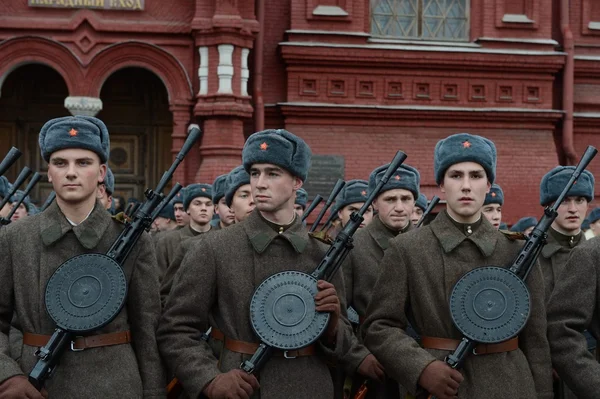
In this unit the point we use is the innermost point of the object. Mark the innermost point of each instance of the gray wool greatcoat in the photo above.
(215, 284)
(361, 272)
(168, 244)
(419, 271)
(574, 307)
(32, 250)
(554, 257)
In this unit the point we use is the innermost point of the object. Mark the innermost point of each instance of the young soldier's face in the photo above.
(273, 188)
(162, 224)
(465, 185)
(299, 210)
(181, 217)
(415, 216)
(20, 213)
(5, 210)
(225, 213)
(345, 213)
(595, 227)
(395, 208)
(104, 197)
(493, 213)
(201, 210)
(571, 213)
(75, 174)
(242, 203)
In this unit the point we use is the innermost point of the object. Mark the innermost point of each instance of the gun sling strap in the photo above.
(248, 348)
(81, 343)
(447, 344)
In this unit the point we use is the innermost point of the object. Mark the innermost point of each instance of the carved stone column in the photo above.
(88, 106)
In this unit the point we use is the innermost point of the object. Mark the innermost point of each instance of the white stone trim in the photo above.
(517, 19)
(594, 25)
(245, 72)
(225, 68)
(330, 11)
(88, 106)
(203, 71)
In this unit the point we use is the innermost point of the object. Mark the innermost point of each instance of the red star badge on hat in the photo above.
(72, 132)
(264, 146)
(203, 189)
(466, 144)
(397, 177)
(363, 193)
(493, 194)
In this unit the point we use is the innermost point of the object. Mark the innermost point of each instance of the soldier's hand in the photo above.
(234, 384)
(19, 387)
(441, 380)
(370, 367)
(327, 300)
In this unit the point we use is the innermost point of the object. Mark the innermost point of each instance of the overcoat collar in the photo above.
(382, 234)
(553, 245)
(261, 235)
(54, 225)
(485, 236)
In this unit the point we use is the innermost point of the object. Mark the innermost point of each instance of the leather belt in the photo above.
(81, 343)
(248, 348)
(447, 344)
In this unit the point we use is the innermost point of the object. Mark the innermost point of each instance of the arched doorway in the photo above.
(31, 95)
(136, 112)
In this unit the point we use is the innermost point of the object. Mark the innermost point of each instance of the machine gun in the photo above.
(25, 173)
(77, 305)
(34, 180)
(49, 201)
(301, 324)
(434, 201)
(504, 319)
(10, 158)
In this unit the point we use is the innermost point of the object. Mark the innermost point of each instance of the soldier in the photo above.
(182, 218)
(106, 190)
(492, 206)
(565, 232)
(226, 215)
(197, 202)
(420, 269)
(219, 275)
(24, 207)
(351, 199)
(524, 225)
(238, 195)
(394, 206)
(301, 200)
(594, 218)
(585, 227)
(418, 209)
(121, 359)
(165, 221)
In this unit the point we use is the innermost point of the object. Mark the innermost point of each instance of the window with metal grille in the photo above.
(421, 19)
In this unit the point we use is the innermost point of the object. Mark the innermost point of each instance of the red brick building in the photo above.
(358, 79)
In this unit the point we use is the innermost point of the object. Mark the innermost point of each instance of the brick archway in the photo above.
(25, 50)
(143, 55)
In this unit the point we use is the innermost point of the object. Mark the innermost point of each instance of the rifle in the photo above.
(10, 158)
(49, 355)
(176, 188)
(18, 183)
(316, 201)
(331, 262)
(34, 180)
(332, 196)
(521, 266)
(332, 216)
(432, 204)
(49, 201)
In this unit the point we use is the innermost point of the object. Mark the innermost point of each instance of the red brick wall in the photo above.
(277, 21)
(524, 156)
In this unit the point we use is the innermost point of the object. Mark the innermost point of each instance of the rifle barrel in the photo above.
(332, 196)
(10, 158)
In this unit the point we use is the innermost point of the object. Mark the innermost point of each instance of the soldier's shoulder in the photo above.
(23, 226)
(221, 237)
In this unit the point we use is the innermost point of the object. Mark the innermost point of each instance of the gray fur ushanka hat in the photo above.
(194, 191)
(301, 198)
(235, 179)
(84, 132)
(555, 181)
(354, 191)
(278, 147)
(495, 196)
(405, 177)
(464, 147)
